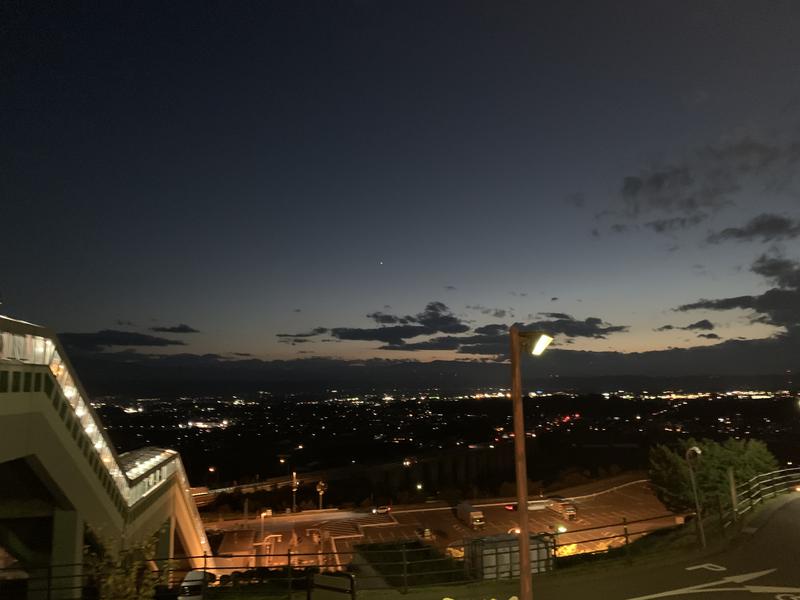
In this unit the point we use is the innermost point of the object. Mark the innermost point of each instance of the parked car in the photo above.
(381, 510)
(193, 585)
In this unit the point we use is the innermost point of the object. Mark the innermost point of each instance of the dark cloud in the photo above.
(182, 328)
(577, 199)
(662, 188)
(709, 336)
(107, 338)
(492, 340)
(619, 228)
(704, 324)
(783, 272)
(123, 323)
(436, 318)
(447, 342)
(666, 328)
(314, 332)
(241, 354)
(495, 329)
(752, 156)
(395, 334)
(706, 181)
(450, 288)
(593, 327)
(764, 228)
(721, 304)
(519, 294)
(675, 190)
(675, 223)
(778, 306)
(294, 341)
(554, 298)
(387, 319)
(497, 313)
(556, 315)
(297, 310)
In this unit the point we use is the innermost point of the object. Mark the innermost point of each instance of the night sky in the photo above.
(343, 181)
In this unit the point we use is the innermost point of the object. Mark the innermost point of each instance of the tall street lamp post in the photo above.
(321, 489)
(695, 452)
(535, 343)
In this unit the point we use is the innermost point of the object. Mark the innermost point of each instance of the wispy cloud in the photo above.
(671, 197)
(763, 228)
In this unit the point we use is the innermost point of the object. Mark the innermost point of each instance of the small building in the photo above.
(497, 556)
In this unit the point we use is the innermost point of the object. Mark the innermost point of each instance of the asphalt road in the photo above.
(763, 563)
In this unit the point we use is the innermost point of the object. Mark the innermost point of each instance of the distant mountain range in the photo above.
(142, 374)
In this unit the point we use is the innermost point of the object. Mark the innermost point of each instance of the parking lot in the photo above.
(600, 515)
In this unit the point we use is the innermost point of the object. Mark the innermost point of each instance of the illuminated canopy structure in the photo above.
(59, 468)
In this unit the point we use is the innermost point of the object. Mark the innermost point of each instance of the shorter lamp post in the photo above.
(263, 514)
(295, 485)
(322, 487)
(694, 451)
(212, 476)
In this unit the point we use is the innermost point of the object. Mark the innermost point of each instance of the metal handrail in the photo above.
(386, 565)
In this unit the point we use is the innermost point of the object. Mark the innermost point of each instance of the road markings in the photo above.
(702, 588)
(773, 589)
(707, 566)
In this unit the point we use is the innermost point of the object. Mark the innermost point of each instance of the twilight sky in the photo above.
(402, 180)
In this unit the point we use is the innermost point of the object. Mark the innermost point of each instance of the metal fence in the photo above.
(401, 565)
(749, 494)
